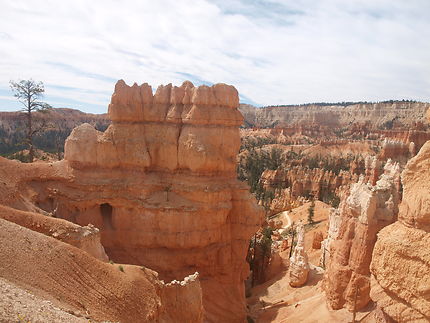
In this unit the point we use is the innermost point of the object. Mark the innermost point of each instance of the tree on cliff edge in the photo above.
(28, 93)
(311, 212)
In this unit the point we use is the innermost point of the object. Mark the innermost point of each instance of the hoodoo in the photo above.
(160, 184)
(362, 214)
(299, 266)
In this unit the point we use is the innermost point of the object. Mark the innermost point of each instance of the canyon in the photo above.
(173, 207)
(376, 225)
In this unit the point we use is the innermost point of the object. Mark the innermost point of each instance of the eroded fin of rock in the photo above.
(354, 226)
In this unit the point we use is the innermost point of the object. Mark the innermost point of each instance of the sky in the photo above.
(274, 52)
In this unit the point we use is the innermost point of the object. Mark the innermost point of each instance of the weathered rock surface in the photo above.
(178, 128)
(299, 265)
(332, 234)
(417, 136)
(160, 184)
(86, 238)
(81, 284)
(363, 213)
(377, 114)
(401, 258)
(317, 238)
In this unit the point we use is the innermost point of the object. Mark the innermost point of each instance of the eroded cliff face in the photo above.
(160, 184)
(406, 113)
(365, 211)
(401, 257)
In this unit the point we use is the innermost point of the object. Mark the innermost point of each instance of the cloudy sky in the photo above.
(273, 52)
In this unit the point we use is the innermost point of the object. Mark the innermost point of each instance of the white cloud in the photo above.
(274, 52)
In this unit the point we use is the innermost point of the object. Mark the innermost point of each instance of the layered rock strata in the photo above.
(299, 265)
(160, 184)
(363, 214)
(401, 257)
(377, 114)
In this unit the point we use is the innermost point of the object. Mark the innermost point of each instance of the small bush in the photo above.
(121, 268)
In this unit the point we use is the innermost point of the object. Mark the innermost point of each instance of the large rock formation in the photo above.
(299, 265)
(401, 257)
(160, 184)
(362, 214)
(177, 129)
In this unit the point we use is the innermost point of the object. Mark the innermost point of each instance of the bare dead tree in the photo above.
(29, 93)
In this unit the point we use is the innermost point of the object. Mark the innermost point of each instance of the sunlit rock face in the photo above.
(401, 258)
(161, 185)
(361, 215)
